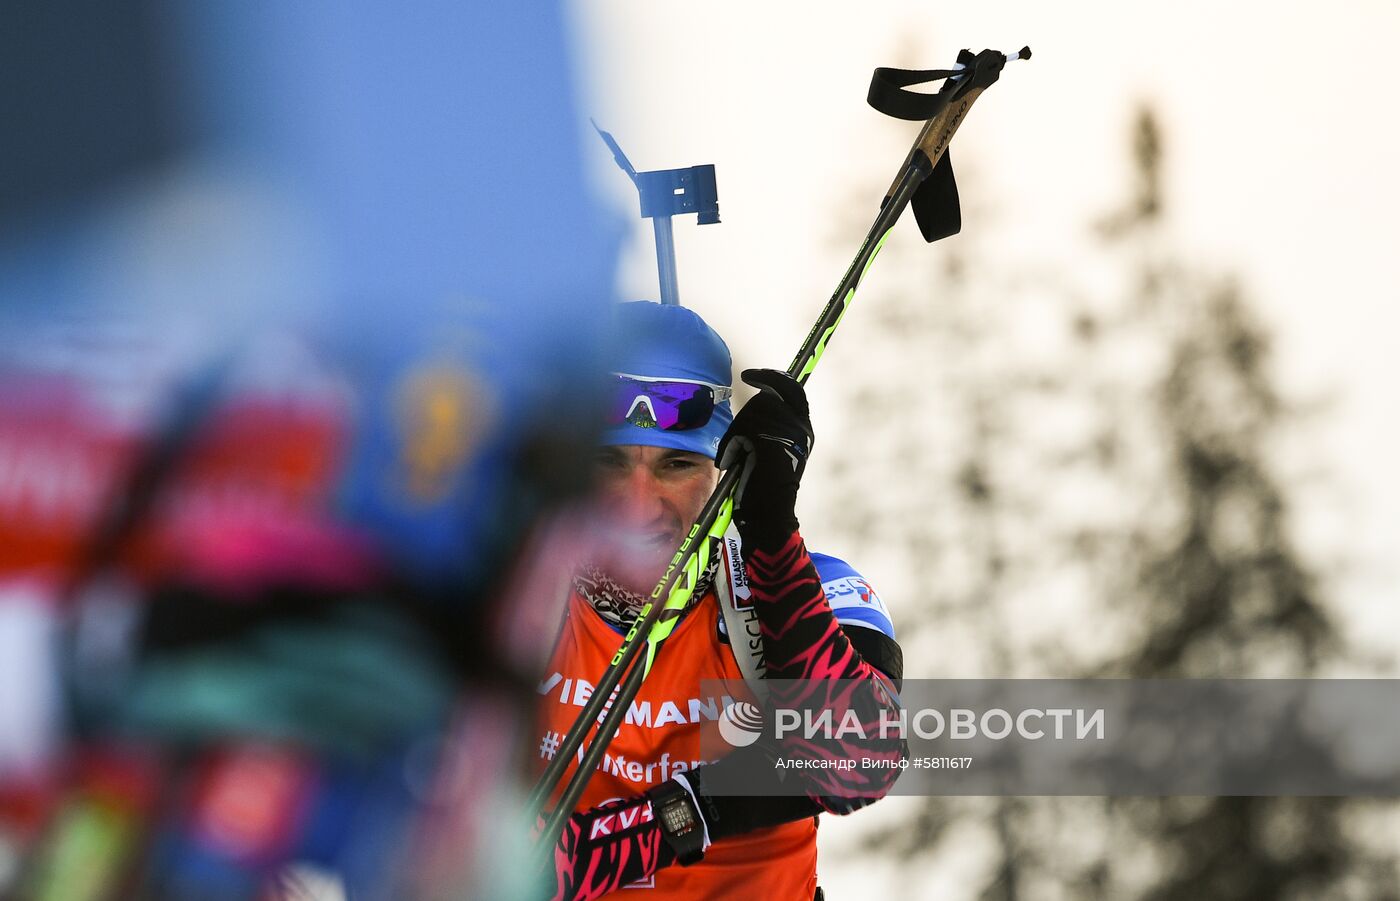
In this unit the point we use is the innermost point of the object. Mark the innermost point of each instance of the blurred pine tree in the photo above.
(1077, 476)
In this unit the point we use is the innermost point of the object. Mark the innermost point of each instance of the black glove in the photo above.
(774, 430)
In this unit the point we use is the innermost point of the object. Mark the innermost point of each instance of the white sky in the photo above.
(1283, 164)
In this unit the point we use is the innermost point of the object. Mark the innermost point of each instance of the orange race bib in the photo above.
(660, 737)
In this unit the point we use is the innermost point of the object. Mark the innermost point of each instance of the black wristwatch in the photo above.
(681, 825)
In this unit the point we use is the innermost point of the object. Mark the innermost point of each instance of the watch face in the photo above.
(676, 818)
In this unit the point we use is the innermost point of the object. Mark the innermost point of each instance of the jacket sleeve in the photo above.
(813, 664)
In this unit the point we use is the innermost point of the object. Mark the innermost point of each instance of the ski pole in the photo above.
(938, 217)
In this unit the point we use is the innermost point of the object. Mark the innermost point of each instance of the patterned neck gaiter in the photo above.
(618, 606)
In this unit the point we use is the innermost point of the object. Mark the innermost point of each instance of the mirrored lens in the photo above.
(669, 406)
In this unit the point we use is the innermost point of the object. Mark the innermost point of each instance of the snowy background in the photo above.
(1276, 175)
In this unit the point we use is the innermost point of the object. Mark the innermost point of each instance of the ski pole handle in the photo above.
(944, 111)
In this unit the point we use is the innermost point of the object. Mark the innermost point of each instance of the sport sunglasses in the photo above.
(671, 405)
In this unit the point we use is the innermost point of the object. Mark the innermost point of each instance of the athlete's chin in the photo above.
(639, 572)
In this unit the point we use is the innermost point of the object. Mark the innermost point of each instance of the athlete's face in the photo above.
(650, 495)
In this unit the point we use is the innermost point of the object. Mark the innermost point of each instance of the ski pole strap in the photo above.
(974, 70)
(887, 94)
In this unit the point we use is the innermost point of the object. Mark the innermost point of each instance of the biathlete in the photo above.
(817, 625)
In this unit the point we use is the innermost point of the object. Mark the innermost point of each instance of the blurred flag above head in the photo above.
(401, 188)
(295, 296)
